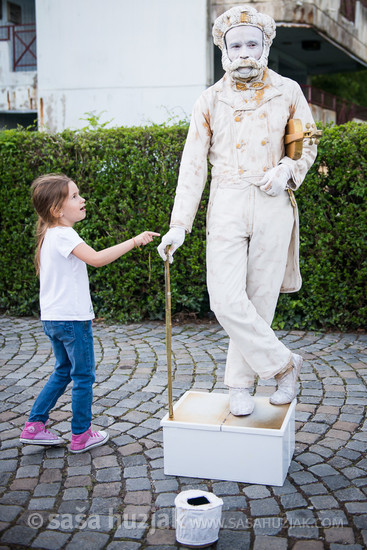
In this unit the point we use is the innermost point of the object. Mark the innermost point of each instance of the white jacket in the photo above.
(242, 133)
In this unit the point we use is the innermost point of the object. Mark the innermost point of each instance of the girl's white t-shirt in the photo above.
(64, 283)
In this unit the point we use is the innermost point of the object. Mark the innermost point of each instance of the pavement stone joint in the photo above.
(118, 497)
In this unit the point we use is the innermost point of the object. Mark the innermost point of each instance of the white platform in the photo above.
(205, 440)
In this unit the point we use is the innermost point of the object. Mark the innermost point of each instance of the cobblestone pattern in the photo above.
(117, 496)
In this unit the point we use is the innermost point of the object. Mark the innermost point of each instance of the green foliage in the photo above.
(94, 121)
(350, 86)
(333, 245)
(129, 176)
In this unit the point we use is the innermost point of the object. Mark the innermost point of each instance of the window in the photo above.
(348, 9)
(14, 13)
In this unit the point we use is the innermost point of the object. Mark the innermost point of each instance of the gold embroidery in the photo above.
(242, 86)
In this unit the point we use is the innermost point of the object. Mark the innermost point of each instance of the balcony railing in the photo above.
(345, 110)
(23, 44)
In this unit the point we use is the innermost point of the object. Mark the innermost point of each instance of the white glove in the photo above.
(174, 238)
(276, 180)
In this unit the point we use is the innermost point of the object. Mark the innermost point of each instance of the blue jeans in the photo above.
(72, 344)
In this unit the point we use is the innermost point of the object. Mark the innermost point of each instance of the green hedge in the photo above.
(128, 176)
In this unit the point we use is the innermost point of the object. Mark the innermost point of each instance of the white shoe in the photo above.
(287, 383)
(241, 402)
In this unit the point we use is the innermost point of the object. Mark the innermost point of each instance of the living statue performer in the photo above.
(252, 225)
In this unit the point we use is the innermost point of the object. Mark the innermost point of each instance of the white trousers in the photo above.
(248, 235)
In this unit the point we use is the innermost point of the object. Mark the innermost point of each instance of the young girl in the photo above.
(66, 308)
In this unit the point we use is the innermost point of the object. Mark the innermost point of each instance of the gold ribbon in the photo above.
(250, 86)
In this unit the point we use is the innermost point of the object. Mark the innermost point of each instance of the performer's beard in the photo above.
(254, 67)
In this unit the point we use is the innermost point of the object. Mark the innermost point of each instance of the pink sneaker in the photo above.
(87, 440)
(36, 434)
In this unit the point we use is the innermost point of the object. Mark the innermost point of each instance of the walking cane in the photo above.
(168, 334)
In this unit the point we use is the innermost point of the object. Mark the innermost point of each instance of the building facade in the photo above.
(142, 62)
(18, 63)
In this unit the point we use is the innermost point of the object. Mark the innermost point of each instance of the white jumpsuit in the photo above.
(252, 238)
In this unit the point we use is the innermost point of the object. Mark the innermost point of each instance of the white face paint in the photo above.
(243, 44)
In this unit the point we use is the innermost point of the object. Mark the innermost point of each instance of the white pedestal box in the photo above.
(205, 440)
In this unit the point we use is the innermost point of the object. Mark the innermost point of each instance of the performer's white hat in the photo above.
(238, 16)
(243, 15)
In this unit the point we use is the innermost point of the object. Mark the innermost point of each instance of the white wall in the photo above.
(323, 115)
(141, 61)
(18, 90)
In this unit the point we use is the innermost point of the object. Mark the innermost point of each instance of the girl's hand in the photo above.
(145, 238)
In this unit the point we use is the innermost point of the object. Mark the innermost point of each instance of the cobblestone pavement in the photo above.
(117, 496)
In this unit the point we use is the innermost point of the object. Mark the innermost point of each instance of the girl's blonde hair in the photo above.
(48, 194)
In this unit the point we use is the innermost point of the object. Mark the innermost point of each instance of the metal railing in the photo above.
(23, 41)
(345, 110)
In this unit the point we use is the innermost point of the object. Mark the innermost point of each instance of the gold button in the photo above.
(240, 171)
(265, 169)
(237, 118)
(264, 142)
(238, 145)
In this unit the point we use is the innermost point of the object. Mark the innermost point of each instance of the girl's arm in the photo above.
(103, 257)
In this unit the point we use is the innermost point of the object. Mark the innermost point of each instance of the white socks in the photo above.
(241, 402)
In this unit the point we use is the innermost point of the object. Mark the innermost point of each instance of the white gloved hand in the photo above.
(275, 180)
(174, 238)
